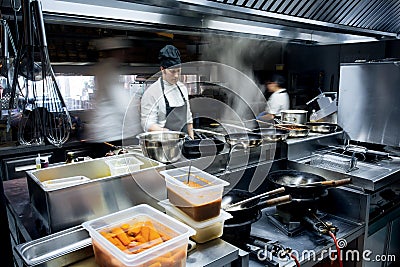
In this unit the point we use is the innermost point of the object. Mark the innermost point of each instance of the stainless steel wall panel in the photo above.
(368, 108)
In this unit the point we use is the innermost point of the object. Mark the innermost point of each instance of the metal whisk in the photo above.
(44, 114)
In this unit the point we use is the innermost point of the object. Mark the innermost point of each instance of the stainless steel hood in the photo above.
(309, 22)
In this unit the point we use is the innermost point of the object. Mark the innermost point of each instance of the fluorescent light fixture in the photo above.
(236, 27)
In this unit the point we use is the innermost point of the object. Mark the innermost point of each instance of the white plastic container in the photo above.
(64, 182)
(123, 164)
(201, 198)
(168, 253)
(205, 230)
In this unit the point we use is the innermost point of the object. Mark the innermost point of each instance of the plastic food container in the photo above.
(139, 236)
(123, 164)
(205, 230)
(64, 182)
(200, 198)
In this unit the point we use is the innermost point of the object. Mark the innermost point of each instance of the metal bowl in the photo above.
(162, 146)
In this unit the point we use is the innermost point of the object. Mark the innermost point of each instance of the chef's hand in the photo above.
(265, 116)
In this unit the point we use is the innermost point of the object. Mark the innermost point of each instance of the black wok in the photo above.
(299, 184)
(250, 210)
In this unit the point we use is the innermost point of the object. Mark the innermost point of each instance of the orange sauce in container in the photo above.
(196, 212)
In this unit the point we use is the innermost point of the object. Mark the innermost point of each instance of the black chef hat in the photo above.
(169, 56)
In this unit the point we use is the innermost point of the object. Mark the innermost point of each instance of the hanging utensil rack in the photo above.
(44, 114)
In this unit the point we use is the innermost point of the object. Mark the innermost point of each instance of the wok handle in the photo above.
(278, 200)
(263, 195)
(335, 182)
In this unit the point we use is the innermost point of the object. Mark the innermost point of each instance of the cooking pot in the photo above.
(249, 210)
(295, 130)
(294, 116)
(322, 127)
(162, 146)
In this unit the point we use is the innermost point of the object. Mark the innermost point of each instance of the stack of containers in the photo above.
(195, 199)
(140, 236)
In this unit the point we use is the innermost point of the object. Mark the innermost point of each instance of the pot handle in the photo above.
(275, 201)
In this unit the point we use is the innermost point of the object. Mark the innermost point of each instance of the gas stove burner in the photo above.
(238, 233)
(289, 228)
(292, 225)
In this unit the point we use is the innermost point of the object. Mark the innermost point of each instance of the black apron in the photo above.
(176, 117)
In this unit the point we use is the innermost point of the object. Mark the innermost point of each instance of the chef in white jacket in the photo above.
(165, 104)
(278, 101)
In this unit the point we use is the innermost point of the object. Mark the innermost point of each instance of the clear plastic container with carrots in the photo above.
(139, 236)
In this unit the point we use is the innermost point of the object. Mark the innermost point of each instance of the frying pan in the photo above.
(238, 140)
(322, 127)
(272, 135)
(295, 130)
(202, 147)
(244, 140)
(250, 209)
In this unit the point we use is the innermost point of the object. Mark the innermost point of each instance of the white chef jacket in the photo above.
(153, 110)
(277, 102)
(112, 100)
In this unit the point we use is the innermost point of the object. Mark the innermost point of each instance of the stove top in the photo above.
(269, 236)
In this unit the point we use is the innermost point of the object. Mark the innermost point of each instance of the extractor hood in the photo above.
(310, 22)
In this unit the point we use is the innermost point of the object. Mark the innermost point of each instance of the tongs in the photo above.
(263, 195)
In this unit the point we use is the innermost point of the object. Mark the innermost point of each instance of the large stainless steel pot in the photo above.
(294, 116)
(162, 146)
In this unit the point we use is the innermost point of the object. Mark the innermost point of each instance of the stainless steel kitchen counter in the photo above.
(26, 228)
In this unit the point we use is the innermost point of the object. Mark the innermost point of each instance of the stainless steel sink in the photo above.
(66, 206)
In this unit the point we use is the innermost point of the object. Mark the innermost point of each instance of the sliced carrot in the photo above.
(134, 230)
(139, 238)
(179, 256)
(153, 234)
(165, 261)
(156, 264)
(122, 236)
(145, 231)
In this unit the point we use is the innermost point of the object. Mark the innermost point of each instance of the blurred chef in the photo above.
(165, 104)
(111, 97)
(279, 99)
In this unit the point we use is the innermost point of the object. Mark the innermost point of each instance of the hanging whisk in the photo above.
(44, 114)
